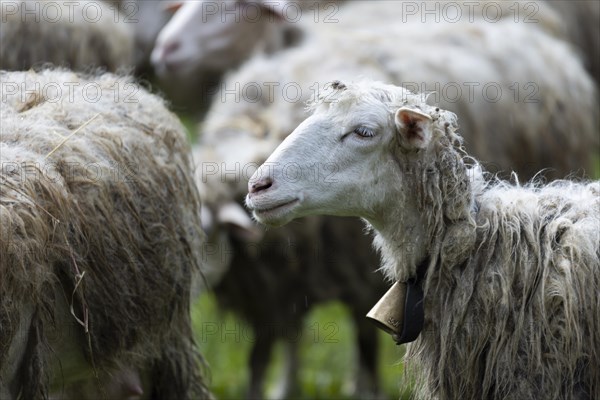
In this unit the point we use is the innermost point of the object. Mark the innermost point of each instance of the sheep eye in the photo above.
(364, 132)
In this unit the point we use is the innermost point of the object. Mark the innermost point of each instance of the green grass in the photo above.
(327, 353)
(596, 171)
(191, 126)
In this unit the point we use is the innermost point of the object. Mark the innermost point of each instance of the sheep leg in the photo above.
(366, 384)
(32, 368)
(14, 361)
(288, 383)
(259, 360)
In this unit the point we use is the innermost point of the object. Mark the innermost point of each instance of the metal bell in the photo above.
(388, 313)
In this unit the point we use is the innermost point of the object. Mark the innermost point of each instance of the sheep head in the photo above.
(374, 151)
(216, 35)
(357, 155)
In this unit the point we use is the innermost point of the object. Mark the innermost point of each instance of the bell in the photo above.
(388, 313)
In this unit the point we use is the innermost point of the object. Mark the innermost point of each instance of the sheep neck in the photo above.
(403, 247)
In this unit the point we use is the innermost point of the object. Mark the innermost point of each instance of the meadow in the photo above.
(327, 353)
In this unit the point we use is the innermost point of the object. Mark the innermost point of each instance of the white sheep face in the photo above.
(212, 35)
(348, 159)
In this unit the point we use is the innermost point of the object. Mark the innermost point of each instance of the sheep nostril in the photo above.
(170, 48)
(260, 185)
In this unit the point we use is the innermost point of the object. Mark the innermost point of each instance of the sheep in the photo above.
(258, 105)
(204, 39)
(217, 35)
(273, 279)
(538, 112)
(78, 35)
(511, 272)
(582, 20)
(100, 236)
(273, 283)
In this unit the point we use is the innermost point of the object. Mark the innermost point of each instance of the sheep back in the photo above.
(79, 35)
(520, 314)
(106, 221)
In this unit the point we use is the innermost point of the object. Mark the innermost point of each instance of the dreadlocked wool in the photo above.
(99, 237)
(524, 303)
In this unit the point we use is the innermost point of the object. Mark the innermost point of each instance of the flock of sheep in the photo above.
(112, 223)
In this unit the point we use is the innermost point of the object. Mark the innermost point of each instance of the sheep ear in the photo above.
(173, 6)
(414, 128)
(239, 222)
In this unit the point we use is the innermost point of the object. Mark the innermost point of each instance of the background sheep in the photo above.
(582, 20)
(512, 272)
(95, 274)
(274, 278)
(539, 112)
(217, 35)
(205, 39)
(79, 35)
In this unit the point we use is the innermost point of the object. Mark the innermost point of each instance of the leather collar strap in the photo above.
(414, 315)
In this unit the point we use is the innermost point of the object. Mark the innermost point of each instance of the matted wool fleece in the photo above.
(108, 219)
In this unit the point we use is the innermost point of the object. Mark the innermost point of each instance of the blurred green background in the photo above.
(327, 354)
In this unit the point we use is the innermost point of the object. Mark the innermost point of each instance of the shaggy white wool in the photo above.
(511, 293)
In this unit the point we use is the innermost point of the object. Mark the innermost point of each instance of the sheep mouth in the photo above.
(165, 68)
(273, 213)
